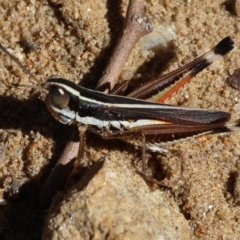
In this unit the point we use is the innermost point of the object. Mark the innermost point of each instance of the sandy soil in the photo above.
(74, 39)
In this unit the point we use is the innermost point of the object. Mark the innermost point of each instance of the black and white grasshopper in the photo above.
(113, 116)
(120, 117)
(129, 118)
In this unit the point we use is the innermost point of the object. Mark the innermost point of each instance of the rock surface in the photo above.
(113, 202)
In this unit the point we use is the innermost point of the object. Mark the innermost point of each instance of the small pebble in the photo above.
(234, 80)
(236, 192)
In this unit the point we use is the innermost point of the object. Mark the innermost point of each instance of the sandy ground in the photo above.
(72, 39)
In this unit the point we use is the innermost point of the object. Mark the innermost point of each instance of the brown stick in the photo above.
(61, 171)
(137, 25)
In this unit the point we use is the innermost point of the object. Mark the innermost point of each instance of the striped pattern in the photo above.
(98, 109)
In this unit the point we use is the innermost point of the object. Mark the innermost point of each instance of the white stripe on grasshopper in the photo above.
(67, 116)
(211, 56)
(117, 124)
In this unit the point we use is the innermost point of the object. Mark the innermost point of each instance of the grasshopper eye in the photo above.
(58, 97)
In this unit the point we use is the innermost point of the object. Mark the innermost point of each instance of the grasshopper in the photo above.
(128, 117)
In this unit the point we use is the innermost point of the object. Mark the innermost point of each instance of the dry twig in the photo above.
(137, 25)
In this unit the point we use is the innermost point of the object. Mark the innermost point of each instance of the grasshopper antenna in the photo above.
(24, 70)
